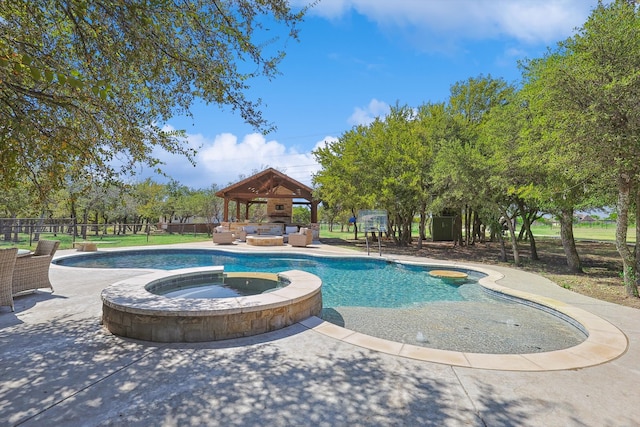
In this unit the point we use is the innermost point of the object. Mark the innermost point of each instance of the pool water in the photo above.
(354, 281)
(223, 286)
(206, 290)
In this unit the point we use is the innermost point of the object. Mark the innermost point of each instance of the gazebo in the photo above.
(279, 191)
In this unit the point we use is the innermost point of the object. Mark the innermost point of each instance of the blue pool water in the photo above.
(355, 281)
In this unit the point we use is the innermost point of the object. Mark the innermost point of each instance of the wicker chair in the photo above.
(302, 238)
(32, 271)
(223, 238)
(7, 264)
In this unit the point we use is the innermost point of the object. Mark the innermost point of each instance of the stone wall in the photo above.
(284, 214)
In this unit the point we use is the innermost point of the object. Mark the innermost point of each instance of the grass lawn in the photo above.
(109, 240)
(586, 232)
(598, 233)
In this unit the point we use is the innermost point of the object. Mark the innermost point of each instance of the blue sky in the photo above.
(354, 59)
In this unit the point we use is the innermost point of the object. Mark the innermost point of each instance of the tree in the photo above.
(177, 206)
(379, 166)
(430, 128)
(342, 181)
(396, 159)
(85, 86)
(212, 206)
(597, 84)
(301, 215)
(568, 175)
(459, 175)
(151, 198)
(511, 174)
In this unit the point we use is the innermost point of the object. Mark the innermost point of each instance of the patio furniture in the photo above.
(245, 231)
(7, 264)
(223, 238)
(288, 230)
(302, 238)
(31, 271)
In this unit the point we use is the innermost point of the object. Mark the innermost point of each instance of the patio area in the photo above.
(59, 366)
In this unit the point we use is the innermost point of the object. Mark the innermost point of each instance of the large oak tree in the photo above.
(85, 86)
(595, 82)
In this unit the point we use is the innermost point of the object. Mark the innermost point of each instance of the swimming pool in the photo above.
(348, 281)
(390, 300)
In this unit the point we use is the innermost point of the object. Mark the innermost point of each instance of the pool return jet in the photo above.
(374, 222)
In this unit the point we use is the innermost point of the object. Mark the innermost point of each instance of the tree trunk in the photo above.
(622, 222)
(15, 229)
(568, 241)
(503, 249)
(477, 229)
(36, 235)
(467, 225)
(514, 246)
(532, 244)
(421, 226)
(634, 289)
(457, 230)
(514, 240)
(83, 227)
(526, 225)
(74, 217)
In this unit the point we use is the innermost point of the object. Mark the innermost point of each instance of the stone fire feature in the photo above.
(280, 210)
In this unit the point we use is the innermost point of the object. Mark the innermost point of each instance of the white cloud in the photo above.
(366, 115)
(224, 159)
(530, 21)
(324, 142)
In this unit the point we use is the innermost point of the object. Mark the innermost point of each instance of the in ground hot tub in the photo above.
(216, 284)
(135, 308)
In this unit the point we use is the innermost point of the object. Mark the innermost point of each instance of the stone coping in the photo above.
(131, 296)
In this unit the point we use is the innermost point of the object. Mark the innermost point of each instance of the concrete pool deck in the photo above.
(59, 366)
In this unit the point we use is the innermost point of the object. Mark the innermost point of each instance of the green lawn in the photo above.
(586, 232)
(110, 241)
(581, 232)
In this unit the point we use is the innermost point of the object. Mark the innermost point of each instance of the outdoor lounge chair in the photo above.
(7, 264)
(289, 230)
(32, 271)
(302, 238)
(223, 238)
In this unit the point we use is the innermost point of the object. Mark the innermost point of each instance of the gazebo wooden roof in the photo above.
(267, 184)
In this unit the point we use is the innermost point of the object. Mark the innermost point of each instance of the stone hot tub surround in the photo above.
(130, 310)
